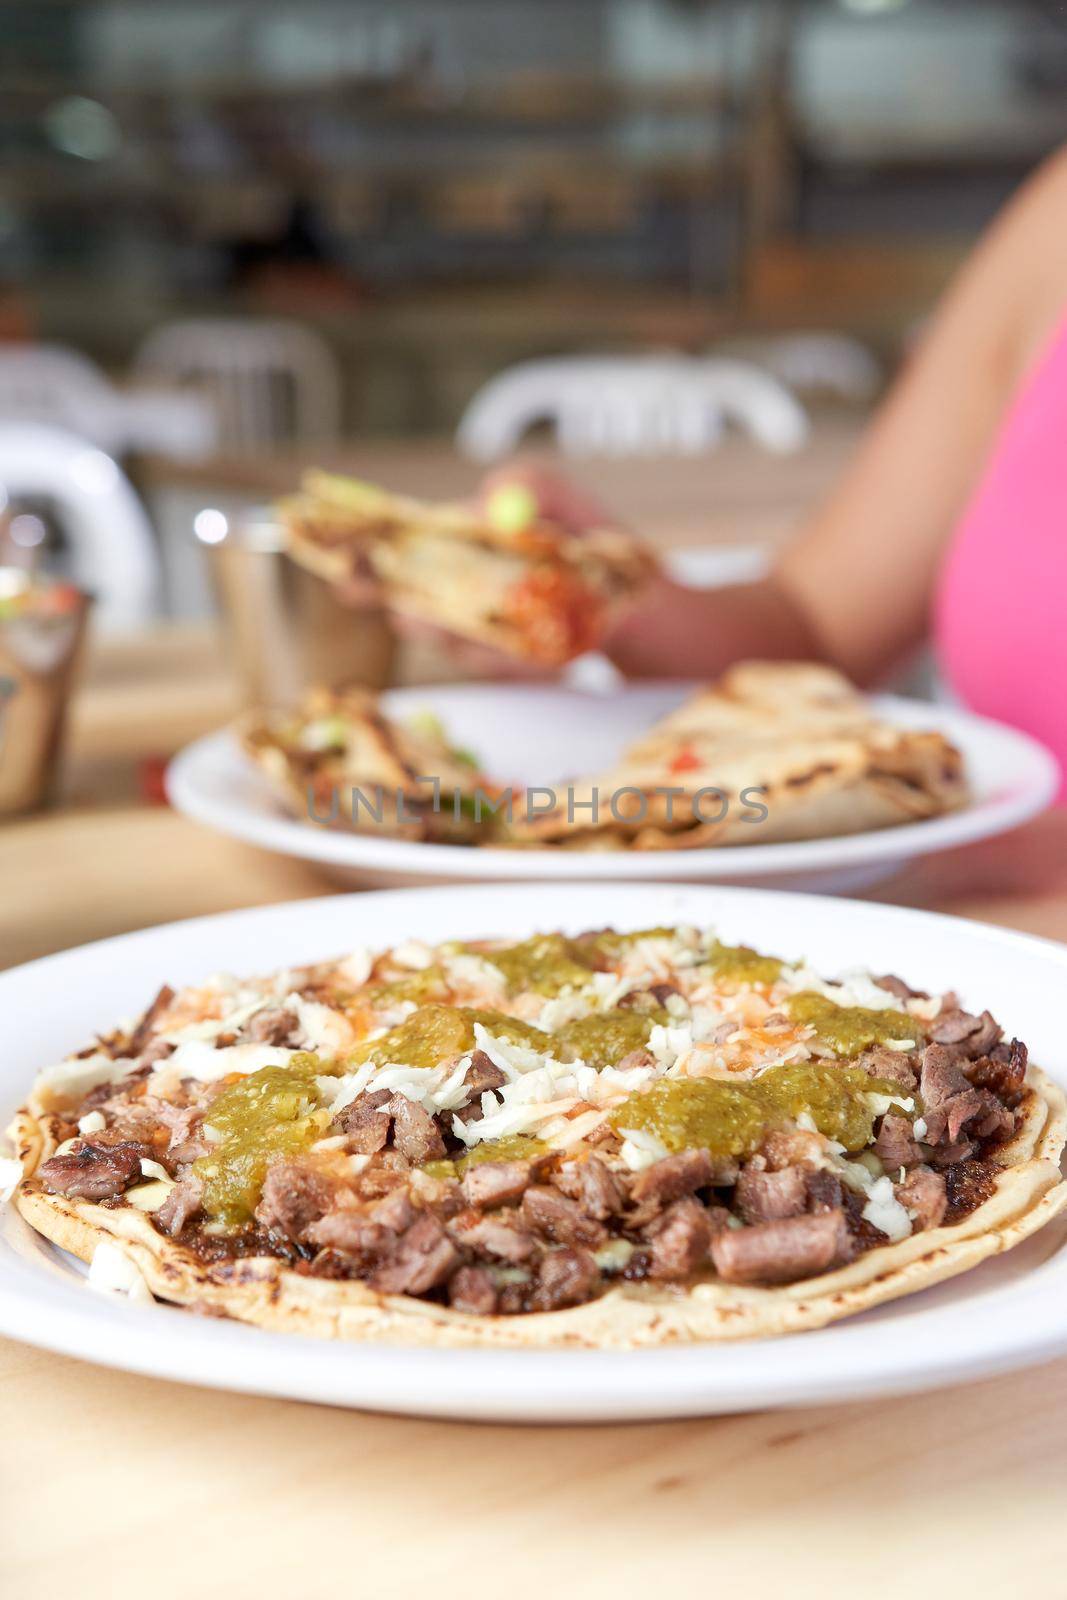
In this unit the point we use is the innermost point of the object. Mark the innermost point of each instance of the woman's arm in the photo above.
(855, 587)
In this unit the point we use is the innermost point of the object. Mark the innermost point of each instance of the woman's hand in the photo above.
(525, 492)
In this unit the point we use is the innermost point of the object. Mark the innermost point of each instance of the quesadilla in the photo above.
(771, 752)
(533, 590)
(609, 1139)
(338, 760)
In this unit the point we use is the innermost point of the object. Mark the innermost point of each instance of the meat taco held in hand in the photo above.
(535, 591)
(614, 1139)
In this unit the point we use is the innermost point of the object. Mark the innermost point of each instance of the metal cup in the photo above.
(38, 660)
(287, 629)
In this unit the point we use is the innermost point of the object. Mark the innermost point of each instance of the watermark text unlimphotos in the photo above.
(590, 807)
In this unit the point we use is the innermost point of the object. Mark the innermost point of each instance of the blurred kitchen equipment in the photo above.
(287, 628)
(622, 405)
(271, 382)
(40, 644)
(112, 546)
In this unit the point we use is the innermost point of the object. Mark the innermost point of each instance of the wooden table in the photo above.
(112, 1481)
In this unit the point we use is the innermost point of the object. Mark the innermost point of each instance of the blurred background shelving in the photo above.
(443, 187)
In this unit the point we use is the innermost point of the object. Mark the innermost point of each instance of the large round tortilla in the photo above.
(1028, 1193)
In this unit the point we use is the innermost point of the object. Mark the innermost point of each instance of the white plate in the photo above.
(1007, 1313)
(545, 734)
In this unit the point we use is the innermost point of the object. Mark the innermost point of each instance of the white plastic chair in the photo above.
(62, 388)
(827, 363)
(272, 382)
(620, 405)
(59, 387)
(112, 546)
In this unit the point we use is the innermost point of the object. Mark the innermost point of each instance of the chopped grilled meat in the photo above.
(565, 1277)
(367, 1231)
(365, 1122)
(393, 1210)
(764, 1196)
(656, 995)
(680, 1240)
(351, 1232)
(275, 1025)
(893, 1065)
(471, 1289)
(294, 1196)
(141, 1035)
(483, 1074)
(671, 1179)
(636, 1059)
(896, 986)
(782, 1252)
(824, 1190)
(493, 1236)
(386, 1171)
(424, 1258)
(415, 1133)
(895, 1145)
(976, 1110)
(182, 1203)
(923, 1196)
(94, 1171)
(942, 1076)
(554, 1217)
(1003, 1071)
(596, 1188)
(496, 1183)
(975, 1036)
(797, 1149)
(156, 1050)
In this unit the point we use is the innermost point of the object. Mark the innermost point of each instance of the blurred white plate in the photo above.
(1007, 1313)
(545, 734)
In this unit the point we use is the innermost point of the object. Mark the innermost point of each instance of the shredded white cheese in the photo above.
(641, 1149)
(321, 1028)
(92, 1122)
(150, 1196)
(851, 989)
(199, 1059)
(357, 967)
(152, 1169)
(885, 1211)
(881, 1103)
(112, 1272)
(72, 1079)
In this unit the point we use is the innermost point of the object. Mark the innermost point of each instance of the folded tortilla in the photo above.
(535, 591)
(338, 760)
(771, 752)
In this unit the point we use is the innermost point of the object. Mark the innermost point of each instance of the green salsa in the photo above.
(850, 1029)
(548, 963)
(610, 945)
(424, 986)
(274, 1112)
(732, 1118)
(434, 1033)
(602, 1039)
(741, 964)
(513, 1147)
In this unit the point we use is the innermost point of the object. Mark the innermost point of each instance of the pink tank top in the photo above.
(1000, 622)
